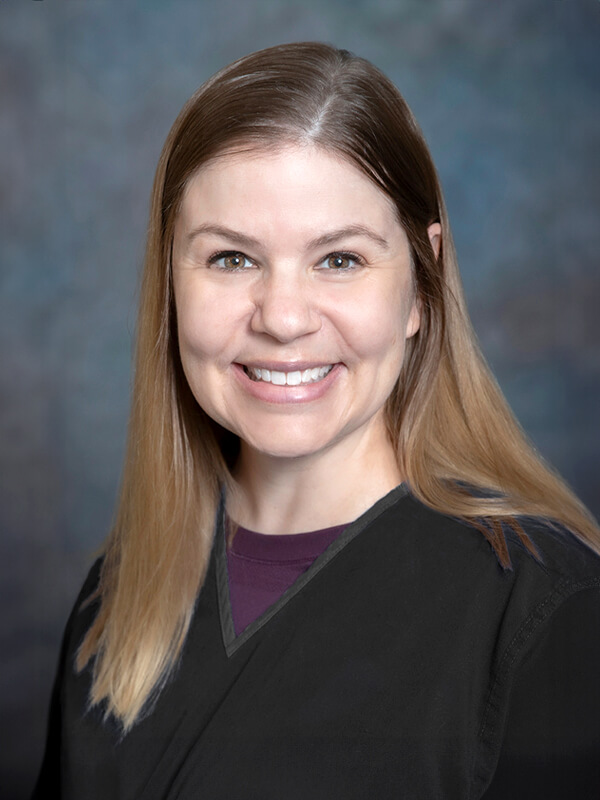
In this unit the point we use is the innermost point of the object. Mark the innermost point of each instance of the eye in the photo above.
(341, 262)
(230, 261)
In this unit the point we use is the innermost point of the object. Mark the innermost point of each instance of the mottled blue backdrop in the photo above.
(507, 94)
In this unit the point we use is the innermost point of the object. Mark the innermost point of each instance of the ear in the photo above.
(414, 318)
(434, 231)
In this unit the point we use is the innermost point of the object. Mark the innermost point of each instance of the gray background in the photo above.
(507, 95)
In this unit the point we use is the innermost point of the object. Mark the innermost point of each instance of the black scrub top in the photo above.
(406, 662)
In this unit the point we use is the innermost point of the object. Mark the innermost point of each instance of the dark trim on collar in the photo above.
(230, 640)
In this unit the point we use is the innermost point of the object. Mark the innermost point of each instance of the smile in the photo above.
(296, 378)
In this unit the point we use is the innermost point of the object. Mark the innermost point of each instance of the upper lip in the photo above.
(285, 366)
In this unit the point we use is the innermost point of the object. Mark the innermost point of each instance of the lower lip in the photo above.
(271, 393)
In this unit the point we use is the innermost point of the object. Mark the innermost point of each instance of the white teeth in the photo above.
(288, 378)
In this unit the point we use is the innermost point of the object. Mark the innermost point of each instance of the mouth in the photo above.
(294, 378)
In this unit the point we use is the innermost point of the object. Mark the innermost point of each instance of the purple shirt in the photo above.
(262, 566)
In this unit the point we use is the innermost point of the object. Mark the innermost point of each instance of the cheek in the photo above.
(376, 330)
(201, 337)
(204, 328)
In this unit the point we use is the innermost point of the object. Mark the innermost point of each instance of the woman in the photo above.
(337, 568)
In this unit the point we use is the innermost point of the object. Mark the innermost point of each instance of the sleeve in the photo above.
(49, 781)
(551, 746)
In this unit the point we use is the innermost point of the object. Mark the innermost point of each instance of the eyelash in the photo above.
(226, 254)
(216, 257)
(358, 261)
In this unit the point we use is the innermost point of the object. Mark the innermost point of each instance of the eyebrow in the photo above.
(226, 233)
(244, 240)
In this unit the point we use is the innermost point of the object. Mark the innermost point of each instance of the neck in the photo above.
(333, 487)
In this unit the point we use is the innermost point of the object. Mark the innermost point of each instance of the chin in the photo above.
(285, 447)
(283, 451)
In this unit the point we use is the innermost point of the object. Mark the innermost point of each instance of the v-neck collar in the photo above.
(233, 642)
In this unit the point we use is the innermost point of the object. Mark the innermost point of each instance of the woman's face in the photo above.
(294, 299)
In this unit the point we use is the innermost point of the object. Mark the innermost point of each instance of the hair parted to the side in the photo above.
(447, 417)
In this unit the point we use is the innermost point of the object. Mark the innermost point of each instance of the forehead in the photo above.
(304, 183)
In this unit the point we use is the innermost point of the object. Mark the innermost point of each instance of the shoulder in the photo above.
(527, 594)
(510, 609)
(562, 557)
(82, 614)
(531, 634)
(445, 563)
(541, 718)
(88, 595)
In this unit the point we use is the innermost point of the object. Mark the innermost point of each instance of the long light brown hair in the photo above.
(457, 443)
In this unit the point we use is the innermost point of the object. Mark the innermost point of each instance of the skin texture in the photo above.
(289, 296)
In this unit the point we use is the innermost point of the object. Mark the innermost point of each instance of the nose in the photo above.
(285, 307)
